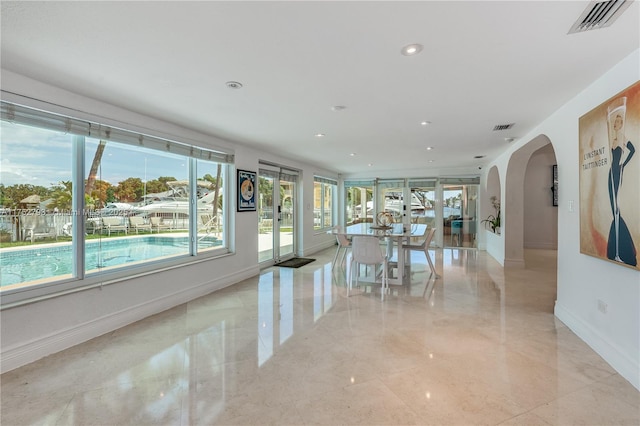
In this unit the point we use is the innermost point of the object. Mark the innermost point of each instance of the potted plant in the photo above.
(493, 220)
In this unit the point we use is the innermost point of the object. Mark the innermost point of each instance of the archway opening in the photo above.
(517, 188)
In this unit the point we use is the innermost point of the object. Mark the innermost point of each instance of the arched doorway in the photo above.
(517, 189)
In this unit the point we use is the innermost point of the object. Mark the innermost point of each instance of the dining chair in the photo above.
(344, 244)
(456, 231)
(365, 250)
(424, 246)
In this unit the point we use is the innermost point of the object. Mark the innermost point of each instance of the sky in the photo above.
(43, 157)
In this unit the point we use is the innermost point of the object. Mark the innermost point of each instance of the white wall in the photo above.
(540, 217)
(585, 280)
(32, 331)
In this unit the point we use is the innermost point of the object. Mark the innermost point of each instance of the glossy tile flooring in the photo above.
(477, 346)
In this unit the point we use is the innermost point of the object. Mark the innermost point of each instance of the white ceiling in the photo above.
(483, 64)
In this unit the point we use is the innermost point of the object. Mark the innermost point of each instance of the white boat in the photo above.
(393, 203)
(178, 203)
(204, 205)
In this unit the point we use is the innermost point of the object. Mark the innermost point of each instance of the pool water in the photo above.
(52, 260)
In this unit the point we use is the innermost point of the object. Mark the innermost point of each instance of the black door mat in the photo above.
(296, 262)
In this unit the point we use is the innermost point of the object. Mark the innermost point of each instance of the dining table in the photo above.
(395, 235)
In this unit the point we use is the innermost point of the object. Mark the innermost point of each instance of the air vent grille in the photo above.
(599, 14)
(503, 126)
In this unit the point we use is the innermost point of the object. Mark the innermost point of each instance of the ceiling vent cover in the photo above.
(599, 14)
(503, 126)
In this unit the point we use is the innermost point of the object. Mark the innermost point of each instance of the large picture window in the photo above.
(358, 201)
(324, 194)
(80, 200)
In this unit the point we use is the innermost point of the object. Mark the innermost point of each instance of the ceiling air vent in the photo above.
(599, 14)
(503, 126)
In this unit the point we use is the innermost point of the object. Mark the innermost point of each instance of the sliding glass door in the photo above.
(459, 223)
(448, 204)
(276, 214)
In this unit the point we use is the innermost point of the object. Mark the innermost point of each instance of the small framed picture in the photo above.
(554, 188)
(246, 191)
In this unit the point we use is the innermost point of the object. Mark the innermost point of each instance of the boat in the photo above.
(176, 201)
(393, 203)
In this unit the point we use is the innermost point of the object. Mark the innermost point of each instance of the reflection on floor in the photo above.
(478, 346)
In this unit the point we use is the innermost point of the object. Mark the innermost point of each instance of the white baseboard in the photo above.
(25, 353)
(540, 245)
(309, 250)
(625, 365)
(514, 263)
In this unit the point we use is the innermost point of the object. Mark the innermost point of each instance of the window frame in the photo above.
(79, 128)
(325, 182)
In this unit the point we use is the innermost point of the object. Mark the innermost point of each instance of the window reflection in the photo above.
(265, 317)
(286, 304)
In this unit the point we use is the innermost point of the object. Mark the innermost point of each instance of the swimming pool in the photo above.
(46, 262)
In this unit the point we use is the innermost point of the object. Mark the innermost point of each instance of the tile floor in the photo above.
(477, 346)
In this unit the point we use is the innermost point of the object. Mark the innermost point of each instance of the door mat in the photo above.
(296, 262)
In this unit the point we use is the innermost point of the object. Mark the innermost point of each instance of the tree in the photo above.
(265, 189)
(100, 193)
(165, 179)
(130, 190)
(156, 185)
(11, 195)
(62, 196)
(217, 182)
(217, 193)
(95, 164)
(111, 194)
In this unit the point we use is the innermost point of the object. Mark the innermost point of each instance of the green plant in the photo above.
(493, 220)
(5, 236)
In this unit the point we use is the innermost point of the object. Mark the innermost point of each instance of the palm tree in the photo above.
(62, 196)
(93, 172)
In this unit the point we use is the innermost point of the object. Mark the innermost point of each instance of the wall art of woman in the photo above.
(620, 245)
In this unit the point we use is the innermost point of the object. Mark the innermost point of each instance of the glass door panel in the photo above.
(265, 218)
(276, 214)
(390, 199)
(459, 204)
(423, 200)
(287, 215)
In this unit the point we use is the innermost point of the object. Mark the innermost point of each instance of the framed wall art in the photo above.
(554, 188)
(609, 136)
(246, 191)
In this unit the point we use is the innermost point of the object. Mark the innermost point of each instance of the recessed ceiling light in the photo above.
(429, 148)
(425, 123)
(411, 49)
(319, 135)
(509, 140)
(479, 156)
(234, 85)
(430, 161)
(337, 108)
(353, 154)
(370, 164)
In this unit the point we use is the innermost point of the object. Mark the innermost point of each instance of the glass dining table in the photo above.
(395, 235)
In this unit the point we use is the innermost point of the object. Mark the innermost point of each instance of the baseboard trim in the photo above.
(514, 263)
(309, 250)
(25, 353)
(540, 245)
(610, 352)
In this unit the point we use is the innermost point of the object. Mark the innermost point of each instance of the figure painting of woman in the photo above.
(620, 247)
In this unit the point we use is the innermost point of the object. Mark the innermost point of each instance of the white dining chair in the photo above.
(366, 250)
(344, 244)
(424, 246)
